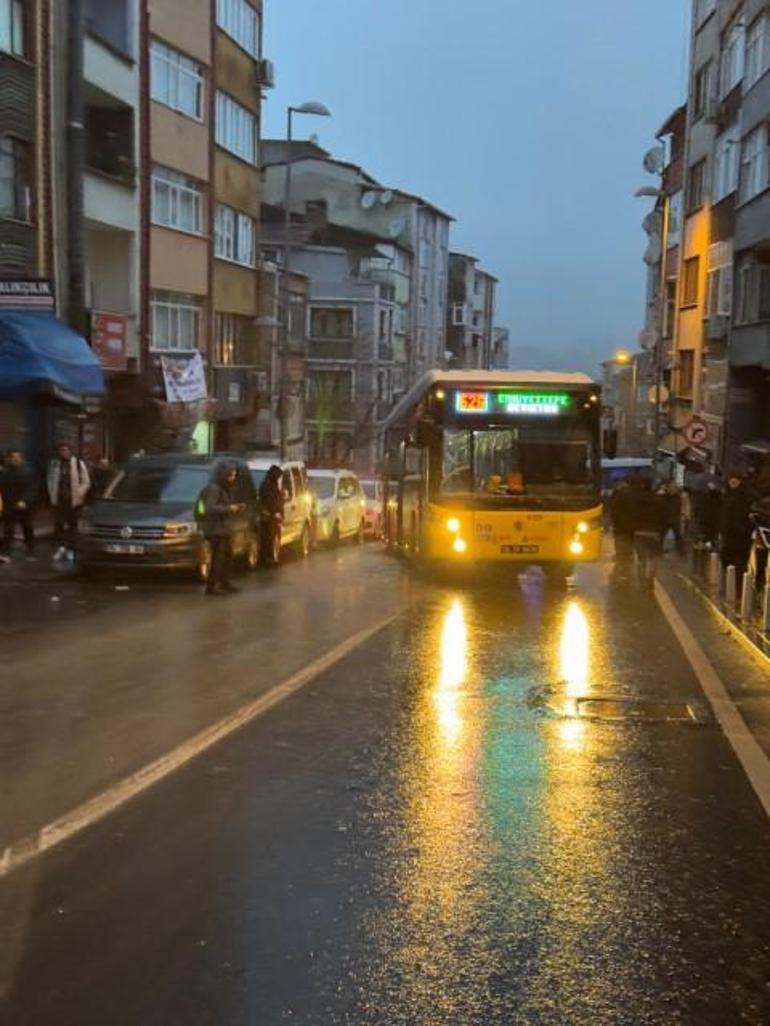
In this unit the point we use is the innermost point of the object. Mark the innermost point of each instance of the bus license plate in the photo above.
(125, 550)
(520, 550)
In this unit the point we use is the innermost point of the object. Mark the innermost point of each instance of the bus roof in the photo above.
(484, 378)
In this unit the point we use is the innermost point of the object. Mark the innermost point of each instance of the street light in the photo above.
(311, 107)
(622, 357)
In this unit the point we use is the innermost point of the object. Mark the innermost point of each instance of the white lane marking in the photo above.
(96, 808)
(755, 763)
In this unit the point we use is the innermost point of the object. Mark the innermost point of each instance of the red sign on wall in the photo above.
(109, 336)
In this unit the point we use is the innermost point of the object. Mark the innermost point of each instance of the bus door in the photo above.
(411, 496)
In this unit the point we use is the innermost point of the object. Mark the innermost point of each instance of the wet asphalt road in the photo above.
(441, 830)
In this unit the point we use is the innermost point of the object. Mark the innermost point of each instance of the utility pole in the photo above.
(76, 159)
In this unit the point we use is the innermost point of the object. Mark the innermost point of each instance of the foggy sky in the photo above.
(525, 120)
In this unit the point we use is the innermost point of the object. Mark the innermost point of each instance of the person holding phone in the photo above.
(214, 510)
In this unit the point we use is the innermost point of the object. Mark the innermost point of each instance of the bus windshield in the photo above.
(524, 460)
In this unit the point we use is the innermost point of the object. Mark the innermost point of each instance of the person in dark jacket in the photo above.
(647, 519)
(214, 510)
(621, 517)
(671, 502)
(708, 512)
(271, 505)
(18, 485)
(736, 526)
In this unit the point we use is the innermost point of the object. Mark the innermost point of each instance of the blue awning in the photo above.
(40, 354)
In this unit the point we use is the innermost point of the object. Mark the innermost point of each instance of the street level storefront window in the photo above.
(753, 301)
(696, 186)
(241, 23)
(236, 128)
(176, 201)
(720, 279)
(757, 51)
(235, 340)
(690, 283)
(15, 189)
(733, 58)
(12, 27)
(176, 81)
(755, 164)
(331, 322)
(235, 236)
(174, 322)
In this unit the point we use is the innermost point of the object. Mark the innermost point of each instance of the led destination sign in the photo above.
(533, 404)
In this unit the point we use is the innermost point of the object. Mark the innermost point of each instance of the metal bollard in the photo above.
(714, 569)
(731, 587)
(748, 596)
(697, 557)
(766, 610)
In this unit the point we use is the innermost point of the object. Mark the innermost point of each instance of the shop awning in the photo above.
(41, 355)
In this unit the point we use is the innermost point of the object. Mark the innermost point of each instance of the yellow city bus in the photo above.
(498, 466)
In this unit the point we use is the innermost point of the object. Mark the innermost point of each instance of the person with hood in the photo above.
(18, 486)
(647, 518)
(68, 487)
(271, 504)
(621, 517)
(214, 510)
(671, 503)
(736, 526)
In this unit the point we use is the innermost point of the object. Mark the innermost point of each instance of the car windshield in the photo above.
(370, 489)
(322, 487)
(525, 460)
(159, 484)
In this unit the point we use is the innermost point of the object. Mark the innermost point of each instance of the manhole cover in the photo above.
(646, 710)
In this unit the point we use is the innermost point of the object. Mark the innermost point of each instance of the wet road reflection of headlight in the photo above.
(453, 671)
(575, 650)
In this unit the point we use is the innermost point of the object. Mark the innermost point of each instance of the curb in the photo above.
(751, 640)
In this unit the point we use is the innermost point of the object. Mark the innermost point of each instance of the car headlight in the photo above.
(182, 530)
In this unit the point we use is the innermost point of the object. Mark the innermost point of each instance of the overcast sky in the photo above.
(525, 120)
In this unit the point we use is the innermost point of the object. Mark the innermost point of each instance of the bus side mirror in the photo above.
(610, 443)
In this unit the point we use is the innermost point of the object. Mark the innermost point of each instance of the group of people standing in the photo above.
(67, 486)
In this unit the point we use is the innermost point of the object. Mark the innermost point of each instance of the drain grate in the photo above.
(638, 709)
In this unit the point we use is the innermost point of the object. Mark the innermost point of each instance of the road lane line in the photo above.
(73, 822)
(755, 763)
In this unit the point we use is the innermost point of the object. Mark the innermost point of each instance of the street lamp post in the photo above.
(319, 110)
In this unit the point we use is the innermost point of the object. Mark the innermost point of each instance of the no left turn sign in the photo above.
(696, 432)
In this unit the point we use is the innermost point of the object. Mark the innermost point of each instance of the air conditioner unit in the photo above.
(266, 74)
(717, 327)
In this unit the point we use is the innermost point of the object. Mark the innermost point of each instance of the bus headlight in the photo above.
(453, 525)
(576, 547)
(460, 545)
(583, 528)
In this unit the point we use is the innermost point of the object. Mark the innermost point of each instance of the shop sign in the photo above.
(26, 294)
(184, 378)
(109, 337)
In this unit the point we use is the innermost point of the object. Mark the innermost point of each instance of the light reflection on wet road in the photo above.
(430, 835)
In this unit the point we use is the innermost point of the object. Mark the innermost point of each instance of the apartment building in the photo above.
(470, 314)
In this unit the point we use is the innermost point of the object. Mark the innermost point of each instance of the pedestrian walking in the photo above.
(708, 511)
(68, 486)
(671, 502)
(736, 526)
(647, 519)
(272, 511)
(18, 485)
(621, 518)
(214, 510)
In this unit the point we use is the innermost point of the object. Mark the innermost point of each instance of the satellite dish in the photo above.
(653, 223)
(386, 198)
(655, 160)
(396, 227)
(368, 200)
(647, 339)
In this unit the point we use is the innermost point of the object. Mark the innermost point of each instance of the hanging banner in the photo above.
(185, 378)
(109, 335)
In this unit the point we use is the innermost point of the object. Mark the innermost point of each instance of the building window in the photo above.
(696, 186)
(458, 315)
(686, 372)
(757, 51)
(754, 176)
(753, 293)
(702, 89)
(733, 58)
(720, 279)
(241, 22)
(235, 236)
(176, 81)
(331, 322)
(690, 282)
(726, 164)
(669, 310)
(176, 201)
(236, 128)
(12, 27)
(235, 340)
(174, 322)
(15, 191)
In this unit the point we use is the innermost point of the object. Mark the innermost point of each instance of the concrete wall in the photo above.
(179, 142)
(185, 25)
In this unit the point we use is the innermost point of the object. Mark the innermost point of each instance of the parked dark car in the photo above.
(146, 518)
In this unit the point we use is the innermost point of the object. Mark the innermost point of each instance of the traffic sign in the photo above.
(696, 432)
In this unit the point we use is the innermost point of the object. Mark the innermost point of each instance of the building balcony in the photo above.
(109, 203)
(110, 73)
(331, 349)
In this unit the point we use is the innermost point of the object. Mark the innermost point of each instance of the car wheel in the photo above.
(302, 547)
(252, 552)
(205, 559)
